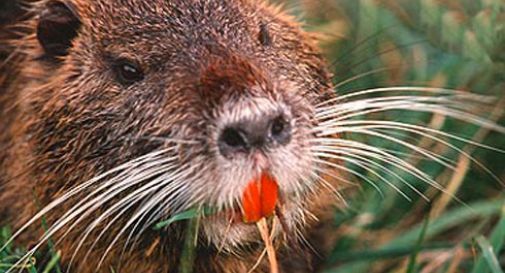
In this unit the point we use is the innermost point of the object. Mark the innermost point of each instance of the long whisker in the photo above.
(364, 165)
(163, 207)
(76, 210)
(334, 176)
(380, 153)
(175, 188)
(167, 180)
(417, 89)
(131, 178)
(338, 117)
(102, 199)
(362, 75)
(339, 127)
(366, 157)
(346, 169)
(448, 106)
(453, 102)
(331, 188)
(81, 187)
(419, 130)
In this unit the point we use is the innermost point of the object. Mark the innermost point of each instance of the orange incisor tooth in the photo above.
(259, 198)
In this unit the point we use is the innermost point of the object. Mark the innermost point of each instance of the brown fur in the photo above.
(66, 120)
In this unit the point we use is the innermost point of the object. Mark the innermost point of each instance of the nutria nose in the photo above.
(261, 133)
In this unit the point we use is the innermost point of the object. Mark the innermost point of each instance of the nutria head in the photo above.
(208, 94)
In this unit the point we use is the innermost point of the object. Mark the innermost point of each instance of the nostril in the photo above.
(278, 126)
(231, 139)
(280, 130)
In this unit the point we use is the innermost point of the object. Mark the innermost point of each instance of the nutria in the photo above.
(204, 94)
(118, 114)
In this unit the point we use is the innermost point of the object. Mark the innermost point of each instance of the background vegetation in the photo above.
(457, 44)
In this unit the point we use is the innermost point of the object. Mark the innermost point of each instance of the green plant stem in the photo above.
(189, 250)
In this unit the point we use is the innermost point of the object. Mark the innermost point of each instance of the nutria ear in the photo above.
(57, 27)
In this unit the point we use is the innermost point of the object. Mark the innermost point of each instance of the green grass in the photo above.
(450, 44)
(454, 44)
(488, 261)
(10, 255)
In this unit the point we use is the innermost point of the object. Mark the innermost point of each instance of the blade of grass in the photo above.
(5, 234)
(53, 263)
(52, 249)
(497, 240)
(185, 215)
(189, 250)
(450, 219)
(489, 255)
(50, 243)
(272, 257)
(32, 269)
(392, 252)
(412, 261)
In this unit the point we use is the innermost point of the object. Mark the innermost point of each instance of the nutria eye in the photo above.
(264, 35)
(128, 72)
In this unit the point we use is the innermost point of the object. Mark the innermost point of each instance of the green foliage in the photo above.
(185, 215)
(450, 44)
(488, 260)
(9, 254)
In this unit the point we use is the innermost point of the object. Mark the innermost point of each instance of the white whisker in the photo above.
(365, 165)
(331, 188)
(368, 156)
(389, 126)
(175, 183)
(392, 159)
(129, 200)
(343, 168)
(432, 90)
(334, 129)
(72, 214)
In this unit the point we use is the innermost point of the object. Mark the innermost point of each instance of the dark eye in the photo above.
(128, 72)
(264, 35)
